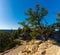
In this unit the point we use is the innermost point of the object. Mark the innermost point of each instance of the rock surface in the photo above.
(46, 48)
(36, 48)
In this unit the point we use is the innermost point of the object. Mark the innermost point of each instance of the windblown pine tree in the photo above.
(34, 19)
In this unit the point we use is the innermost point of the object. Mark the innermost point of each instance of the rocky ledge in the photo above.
(40, 48)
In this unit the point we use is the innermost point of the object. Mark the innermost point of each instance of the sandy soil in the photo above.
(15, 51)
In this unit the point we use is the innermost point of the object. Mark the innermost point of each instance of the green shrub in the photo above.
(34, 34)
(7, 42)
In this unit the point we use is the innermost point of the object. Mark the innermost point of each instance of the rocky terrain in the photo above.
(36, 47)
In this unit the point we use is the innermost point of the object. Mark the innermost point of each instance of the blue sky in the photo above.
(12, 11)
